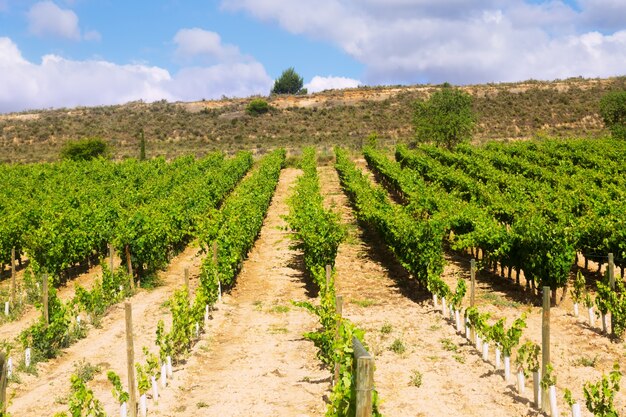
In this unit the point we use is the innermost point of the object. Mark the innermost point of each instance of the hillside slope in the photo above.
(504, 111)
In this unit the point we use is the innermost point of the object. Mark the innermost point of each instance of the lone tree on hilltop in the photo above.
(613, 112)
(446, 118)
(289, 82)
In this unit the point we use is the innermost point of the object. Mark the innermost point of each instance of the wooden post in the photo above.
(364, 379)
(329, 273)
(472, 293)
(45, 299)
(472, 282)
(545, 344)
(612, 285)
(111, 252)
(130, 268)
(187, 284)
(339, 312)
(13, 278)
(130, 360)
(3, 384)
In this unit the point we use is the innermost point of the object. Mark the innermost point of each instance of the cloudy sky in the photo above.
(66, 53)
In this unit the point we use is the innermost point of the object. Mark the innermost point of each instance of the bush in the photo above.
(84, 149)
(289, 82)
(613, 112)
(445, 119)
(257, 106)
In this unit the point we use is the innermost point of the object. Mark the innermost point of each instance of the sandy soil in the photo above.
(579, 353)
(105, 347)
(380, 298)
(10, 330)
(254, 360)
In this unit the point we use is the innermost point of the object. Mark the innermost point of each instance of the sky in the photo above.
(68, 53)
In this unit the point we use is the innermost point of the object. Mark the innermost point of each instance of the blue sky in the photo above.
(65, 53)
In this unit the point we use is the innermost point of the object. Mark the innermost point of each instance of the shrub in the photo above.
(257, 106)
(445, 119)
(84, 149)
(613, 112)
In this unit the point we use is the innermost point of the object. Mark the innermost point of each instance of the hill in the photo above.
(505, 111)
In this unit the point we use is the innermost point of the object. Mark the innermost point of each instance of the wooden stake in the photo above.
(3, 384)
(364, 379)
(472, 293)
(612, 285)
(130, 359)
(545, 344)
(328, 275)
(187, 284)
(339, 312)
(13, 278)
(111, 252)
(130, 268)
(215, 252)
(46, 313)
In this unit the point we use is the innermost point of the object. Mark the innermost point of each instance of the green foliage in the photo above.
(599, 397)
(569, 398)
(416, 243)
(84, 149)
(289, 82)
(143, 378)
(613, 301)
(445, 119)
(48, 339)
(82, 402)
(507, 339)
(317, 231)
(182, 324)
(479, 321)
(118, 390)
(613, 112)
(85, 370)
(397, 346)
(237, 225)
(163, 341)
(257, 107)
(528, 358)
(457, 298)
(579, 288)
(111, 289)
(547, 379)
(416, 378)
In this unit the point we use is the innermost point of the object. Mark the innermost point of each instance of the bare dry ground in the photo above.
(253, 360)
(380, 297)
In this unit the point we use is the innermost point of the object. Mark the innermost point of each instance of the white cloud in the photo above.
(199, 42)
(461, 41)
(60, 82)
(47, 19)
(319, 83)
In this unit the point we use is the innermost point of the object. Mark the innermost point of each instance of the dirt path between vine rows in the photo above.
(104, 347)
(253, 360)
(579, 353)
(423, 368)
(10, 330)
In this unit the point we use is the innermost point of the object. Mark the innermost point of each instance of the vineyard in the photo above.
(235, 286)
